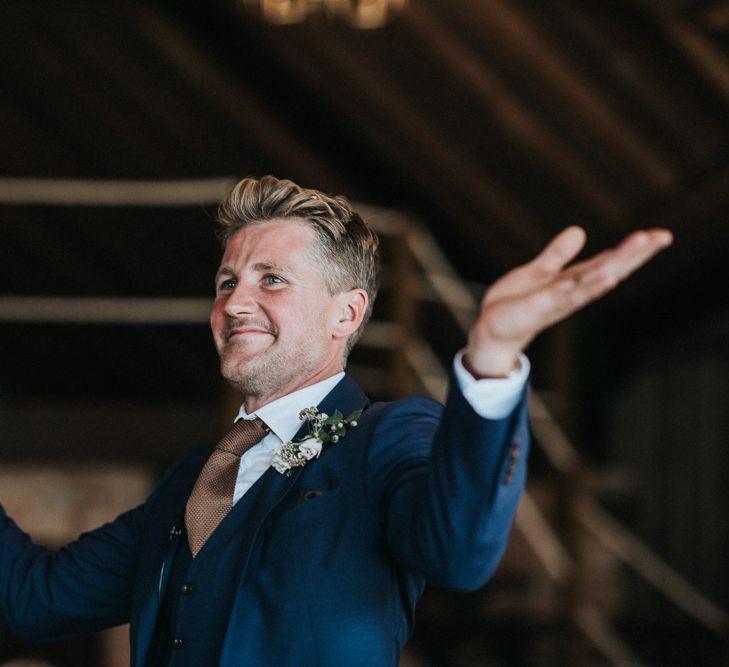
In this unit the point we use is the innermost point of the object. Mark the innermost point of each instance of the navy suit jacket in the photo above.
(334, 557)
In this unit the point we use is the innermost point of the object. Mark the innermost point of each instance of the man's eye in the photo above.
(228, 284)
(272, 280)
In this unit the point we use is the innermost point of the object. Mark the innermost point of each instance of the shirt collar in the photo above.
(282, 415)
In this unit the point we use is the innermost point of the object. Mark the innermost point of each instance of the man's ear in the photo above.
(349, 311)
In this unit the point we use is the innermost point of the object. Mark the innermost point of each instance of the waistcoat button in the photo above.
(186, 589)
(177, 642)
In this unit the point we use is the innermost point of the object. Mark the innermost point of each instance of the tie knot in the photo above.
(244, 434)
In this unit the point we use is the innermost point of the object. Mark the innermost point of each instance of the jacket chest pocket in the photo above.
(315, 508)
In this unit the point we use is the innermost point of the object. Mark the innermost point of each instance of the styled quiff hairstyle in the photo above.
(347, 249)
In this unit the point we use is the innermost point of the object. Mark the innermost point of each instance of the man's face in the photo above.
(273, 316)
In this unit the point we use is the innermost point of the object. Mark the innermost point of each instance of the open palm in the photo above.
(548, 289)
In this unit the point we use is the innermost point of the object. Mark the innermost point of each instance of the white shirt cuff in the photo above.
(492, 398)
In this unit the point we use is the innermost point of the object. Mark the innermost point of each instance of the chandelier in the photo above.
(358, 13)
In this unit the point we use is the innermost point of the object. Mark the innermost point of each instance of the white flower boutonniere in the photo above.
(322, 429)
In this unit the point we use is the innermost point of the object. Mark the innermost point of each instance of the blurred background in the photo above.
(471, 131)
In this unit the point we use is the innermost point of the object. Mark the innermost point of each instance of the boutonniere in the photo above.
(322, 429)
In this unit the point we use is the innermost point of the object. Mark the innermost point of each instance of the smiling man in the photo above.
(275, 322)
(290, 545)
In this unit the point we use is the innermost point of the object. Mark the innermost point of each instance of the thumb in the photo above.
(561, 250)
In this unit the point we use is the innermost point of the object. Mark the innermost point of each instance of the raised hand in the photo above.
(546, 290)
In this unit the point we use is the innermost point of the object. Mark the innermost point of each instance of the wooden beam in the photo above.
(241, 110)
(707, 56)
(519, 37)
(493, 218)
(519, 122)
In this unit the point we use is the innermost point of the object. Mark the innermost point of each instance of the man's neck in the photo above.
(252, 403)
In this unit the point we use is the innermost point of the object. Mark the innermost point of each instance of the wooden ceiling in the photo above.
(496, 122)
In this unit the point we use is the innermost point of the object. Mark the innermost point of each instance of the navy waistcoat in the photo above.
(199, 595)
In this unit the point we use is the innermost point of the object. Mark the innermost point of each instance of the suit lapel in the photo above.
(273, 487)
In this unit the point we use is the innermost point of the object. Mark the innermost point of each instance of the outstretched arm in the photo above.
(545, 291)
(450, 508)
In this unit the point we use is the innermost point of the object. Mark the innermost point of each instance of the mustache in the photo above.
(246, 322)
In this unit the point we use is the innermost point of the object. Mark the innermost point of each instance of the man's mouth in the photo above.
(247, 330)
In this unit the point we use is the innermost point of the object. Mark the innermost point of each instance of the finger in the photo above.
(613, 266)
(637, 249)
(561, 250)
(540, 271)
(585, 282)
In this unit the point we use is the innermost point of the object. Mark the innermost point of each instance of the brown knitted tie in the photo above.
(212, 497)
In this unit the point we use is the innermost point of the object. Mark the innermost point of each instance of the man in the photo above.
(314, 551)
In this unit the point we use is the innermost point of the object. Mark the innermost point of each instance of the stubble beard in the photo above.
(265, 375)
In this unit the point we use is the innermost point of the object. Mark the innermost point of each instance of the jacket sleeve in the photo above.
(446, 486)
(84, 587)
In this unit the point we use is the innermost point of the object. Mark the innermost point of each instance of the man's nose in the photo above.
(241, 301)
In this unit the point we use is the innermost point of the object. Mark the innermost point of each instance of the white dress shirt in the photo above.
(492, 398)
